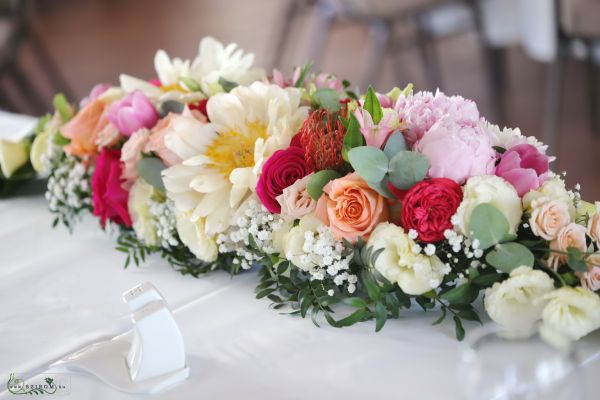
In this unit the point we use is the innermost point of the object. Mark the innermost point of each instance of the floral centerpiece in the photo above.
(351, 206)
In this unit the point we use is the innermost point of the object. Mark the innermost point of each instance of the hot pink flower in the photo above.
(280, 171)
(132, 112)
(109, 197)
(524, 167)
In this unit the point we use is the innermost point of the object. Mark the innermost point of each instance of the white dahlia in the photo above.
(223, 159)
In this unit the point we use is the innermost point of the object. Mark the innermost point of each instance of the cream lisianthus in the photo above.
(571, 313)
(223, 159)
(516, 303)
(414, 273)
(139, 210)
(492, 190)
(193, 235)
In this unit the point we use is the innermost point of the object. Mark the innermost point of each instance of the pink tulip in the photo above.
(524, 167)
(132, 112)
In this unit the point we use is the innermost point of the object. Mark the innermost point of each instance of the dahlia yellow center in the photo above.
(235, 148)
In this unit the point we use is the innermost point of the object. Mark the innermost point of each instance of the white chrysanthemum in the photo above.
(510, 137)
(223, 159)
(216, 61)
(170, 70)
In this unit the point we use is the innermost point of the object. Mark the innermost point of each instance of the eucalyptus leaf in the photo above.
(463, 294)
(227, 85)
(575, 260)
(353, 138)
(150, 169)
(382, 187)
(369, 162)
(373, 106)
(394, 144)
(328, 99)
(488, 225)
(191, 84)
(407, 168)
(316, 182)
(171, 106)
(508, 256)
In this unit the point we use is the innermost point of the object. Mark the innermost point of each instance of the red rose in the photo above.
(281, 170)
(109, 198)
(428, 207)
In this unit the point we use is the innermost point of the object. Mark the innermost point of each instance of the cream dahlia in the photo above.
(223, 159)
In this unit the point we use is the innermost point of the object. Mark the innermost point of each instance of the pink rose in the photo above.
(156, 141)
(295, 201)
(420, 111)
(524, 167)
(457, 150)
(548, 217)
(108, 196)
(591, 279)
(281, 170)
(351, 208)
(594, 227)
(572, 235)
(132, 112)
(131, 153)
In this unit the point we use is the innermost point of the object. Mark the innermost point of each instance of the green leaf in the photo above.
(355, 302)
(191, 84)
(369, 162)
(508, 256)
(575, 260)
(395, 144)
(227, 86)
(460, 330)
(353, 137)
(356, 316)
(380, 316)
(373, 290)
(441, 318)
(316, 182)
(303, 73)
(487, 280)
(570, 278)
(469, 314)
(408, 168)
(328, 99)
(463, 294)
(150, 169)
(488, 225)
(382, 188)
(372, 105)
(62, 106)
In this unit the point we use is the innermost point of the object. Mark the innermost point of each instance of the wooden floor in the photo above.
(93, 41)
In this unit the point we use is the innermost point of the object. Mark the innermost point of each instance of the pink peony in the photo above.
(457, 150)
(108, 196)
(132, 112)
(131, 153)
(280, 171)
(419, 112)
(524, 166)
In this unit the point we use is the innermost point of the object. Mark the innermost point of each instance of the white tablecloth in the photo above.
(60, 292)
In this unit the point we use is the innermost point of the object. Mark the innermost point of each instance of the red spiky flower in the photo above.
(322, 136)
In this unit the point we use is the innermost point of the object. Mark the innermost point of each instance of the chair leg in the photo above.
(379, 37)
(554, 78)
(27, 91)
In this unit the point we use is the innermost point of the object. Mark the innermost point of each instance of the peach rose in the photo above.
(83, 129)
(131, 153)
(548, 217)
(594, 225)
(295, 201)
(591, 279)
(572, 235)
(351, 208)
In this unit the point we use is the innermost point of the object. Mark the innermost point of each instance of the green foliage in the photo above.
(407, 168)
(373, 106)
(353, 138)
(369, 162)
(575, 260)
(488, 225)
(394, 145)
(190, 83)
(62, 106)
(171, 106)
(328, 98)
(304, 71)
(150, 169)
(227, 86)
(508, 256)
(315, 184)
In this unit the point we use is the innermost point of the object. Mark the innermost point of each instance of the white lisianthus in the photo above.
(13, 156)
(223, 159)
(414, 273)
(139, 209)
(570, 313)
(192, 233)
(516, 303)
(293, 243)
(554, 189)
(493, 190)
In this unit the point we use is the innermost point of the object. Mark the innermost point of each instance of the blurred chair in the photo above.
(381, 17)
(15, 32)
(578, 23)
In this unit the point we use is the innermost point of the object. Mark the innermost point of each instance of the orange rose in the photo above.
(83, 129)
(351, 208)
